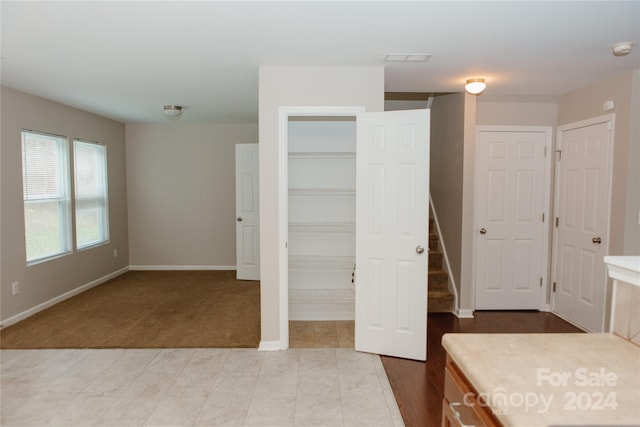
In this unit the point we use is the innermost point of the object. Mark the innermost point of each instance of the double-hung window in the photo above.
(90, 178)
(46, 194)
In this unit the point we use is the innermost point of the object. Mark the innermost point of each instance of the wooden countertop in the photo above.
(552, 379)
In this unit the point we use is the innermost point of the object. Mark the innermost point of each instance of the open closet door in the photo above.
(392, 215)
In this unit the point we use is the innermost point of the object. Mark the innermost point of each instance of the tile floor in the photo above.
(195, 387)
(321, 334)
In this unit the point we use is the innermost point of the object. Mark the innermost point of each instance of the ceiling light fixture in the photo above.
(172, 112)
(475, 86)
(622, 48)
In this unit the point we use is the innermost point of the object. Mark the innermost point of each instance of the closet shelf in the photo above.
(322, 227)
(321, 192)
(321, 296)
(315, 261)
(322, 155)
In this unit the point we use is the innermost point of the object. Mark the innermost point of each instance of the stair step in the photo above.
(438, 280)
(440, 302)
(435, 260)
(433, 242)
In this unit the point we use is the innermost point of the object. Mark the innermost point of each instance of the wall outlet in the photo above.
(115, 253)
(15, 288)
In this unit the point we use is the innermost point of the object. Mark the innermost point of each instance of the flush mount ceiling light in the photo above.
(475, 86)
(407, 57)
(172, 112)
(622, 48)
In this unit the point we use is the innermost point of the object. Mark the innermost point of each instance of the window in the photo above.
(90, 177)
(46, 195)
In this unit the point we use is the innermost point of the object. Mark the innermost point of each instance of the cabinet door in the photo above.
(392, 193)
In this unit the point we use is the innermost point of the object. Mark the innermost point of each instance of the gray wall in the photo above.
(446, 173)
(181, 193)
(42, 282)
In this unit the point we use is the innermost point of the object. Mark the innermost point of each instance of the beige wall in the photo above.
(297, 86)
(467, 296)
(632, 222)
(181, 193)
(48, 280)
(586, 103)
(446, 173)
(516, 111)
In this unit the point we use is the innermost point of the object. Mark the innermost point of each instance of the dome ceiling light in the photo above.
(172, 112)
(475, 86)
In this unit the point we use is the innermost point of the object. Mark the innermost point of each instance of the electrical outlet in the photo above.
(15, 288)
(115, 253)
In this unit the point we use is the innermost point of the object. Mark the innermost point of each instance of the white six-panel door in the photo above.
(582, 211)
(511, 218)
(392, 184)
(247, 213)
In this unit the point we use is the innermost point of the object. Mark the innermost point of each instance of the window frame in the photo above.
(99, 200)
(63, 199)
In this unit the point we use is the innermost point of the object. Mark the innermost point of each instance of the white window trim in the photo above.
(102, 199)
(65, 199)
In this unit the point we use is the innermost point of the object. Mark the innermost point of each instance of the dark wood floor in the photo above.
(418, 386)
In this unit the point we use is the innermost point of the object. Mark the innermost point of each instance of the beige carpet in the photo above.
(149, 309)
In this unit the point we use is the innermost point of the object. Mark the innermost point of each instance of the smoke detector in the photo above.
(622, 48)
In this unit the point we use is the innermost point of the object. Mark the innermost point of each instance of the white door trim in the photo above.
(547, 130)
(606, 118)
(284, 113)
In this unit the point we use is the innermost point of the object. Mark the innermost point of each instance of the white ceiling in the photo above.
(125, 60)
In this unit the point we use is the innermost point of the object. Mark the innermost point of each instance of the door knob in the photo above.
(483, 231)
(239, 219)
(596, 240)
(419, 249)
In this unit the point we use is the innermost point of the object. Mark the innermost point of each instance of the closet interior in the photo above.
(321, 214)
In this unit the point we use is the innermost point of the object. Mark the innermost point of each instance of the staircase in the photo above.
(440, 300)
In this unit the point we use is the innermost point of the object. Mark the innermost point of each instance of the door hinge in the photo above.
(554, 286)
(557, 221)
(545, 151)
(541, 282)
(543, 217)
(559, 152)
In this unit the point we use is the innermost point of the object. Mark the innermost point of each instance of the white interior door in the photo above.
(247, 213)
(582, 221)
(392, 184)
(511, 208)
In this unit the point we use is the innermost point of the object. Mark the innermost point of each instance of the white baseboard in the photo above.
(270, 346)
(180, 267)
(546, 308)
(30, 312)
(464, 313)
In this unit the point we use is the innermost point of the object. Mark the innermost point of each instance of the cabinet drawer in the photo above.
(462, 403)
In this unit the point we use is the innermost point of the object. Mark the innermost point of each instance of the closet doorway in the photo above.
(354, 217)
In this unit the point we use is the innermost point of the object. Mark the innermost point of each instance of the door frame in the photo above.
(284, 113)
(611, 120)
(546, 237)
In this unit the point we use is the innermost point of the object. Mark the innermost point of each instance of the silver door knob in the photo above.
(483, 231)
(419, 249)
(239, 219)
(596, 240)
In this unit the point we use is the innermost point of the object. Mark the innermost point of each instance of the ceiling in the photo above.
(125, 60)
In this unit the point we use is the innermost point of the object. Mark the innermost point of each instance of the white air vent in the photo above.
(407, 57)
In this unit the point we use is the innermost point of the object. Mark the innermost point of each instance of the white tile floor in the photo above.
(195, 387)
